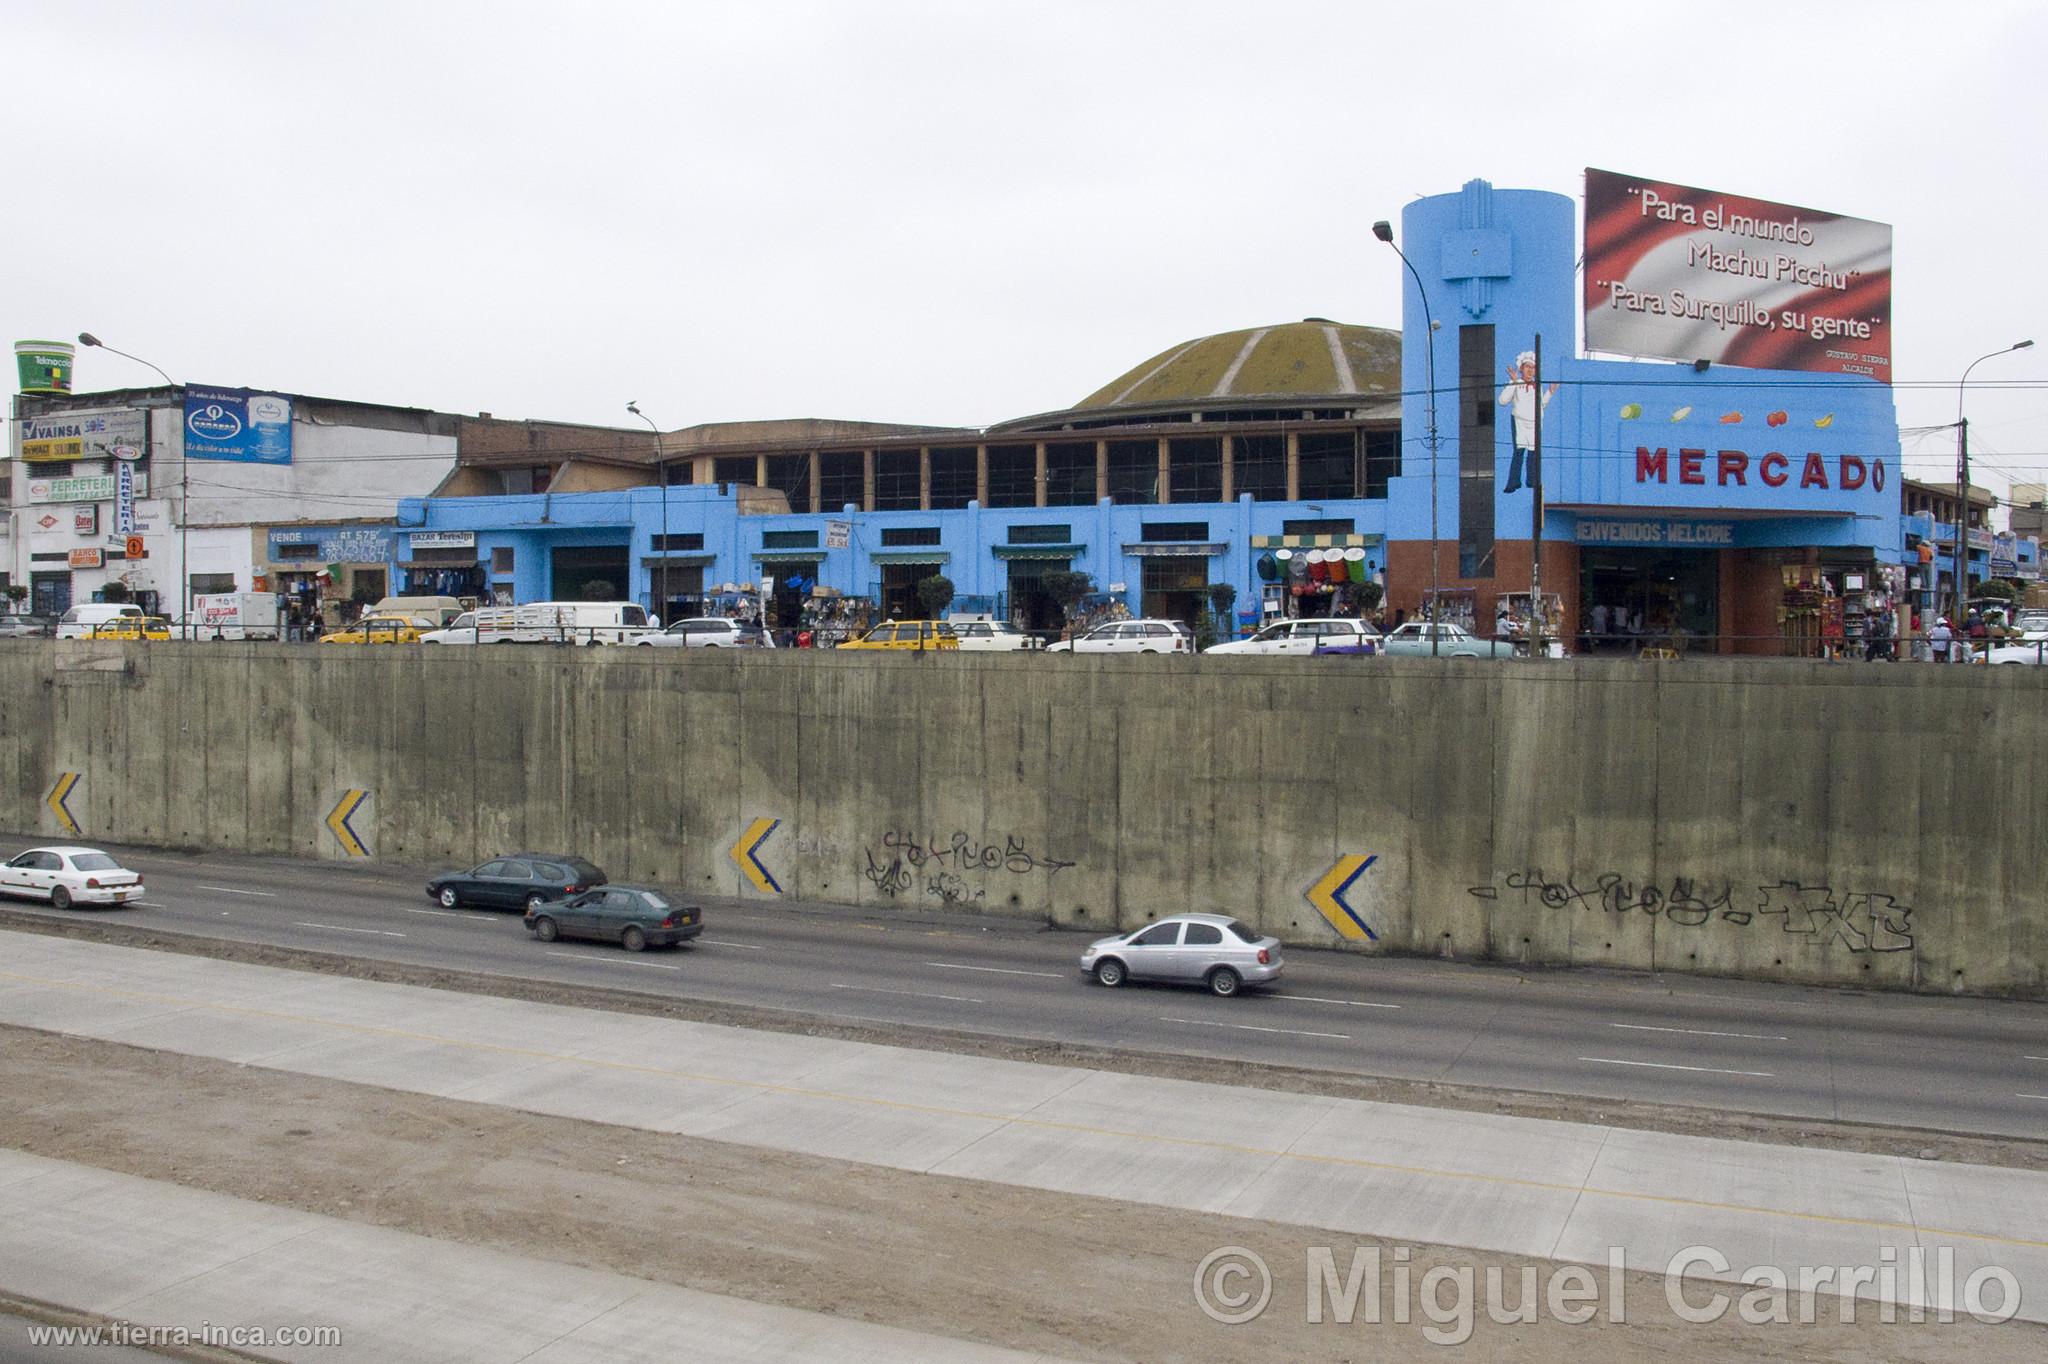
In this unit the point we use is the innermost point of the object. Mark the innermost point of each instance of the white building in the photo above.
(281, 492)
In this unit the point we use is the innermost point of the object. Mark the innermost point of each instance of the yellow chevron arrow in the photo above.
(337, 821)
(743, 855)
(67, 782)
(1327, 895)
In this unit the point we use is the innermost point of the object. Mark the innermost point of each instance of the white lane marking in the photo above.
(1659, 1065)
(743, 946)
(1354, 1003)
(623, 961)
(2042, 1097)
(230, 890)
(339, 928)
(1702, 1032)
(915, 994)
(1249, 1027)
(450, 913)
(994, 970)
(2023, 1058)
(159, 904)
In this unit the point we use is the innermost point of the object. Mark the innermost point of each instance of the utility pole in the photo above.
(1536, 515)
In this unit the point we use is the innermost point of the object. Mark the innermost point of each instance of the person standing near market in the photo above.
(1878, 638)
(1520, 396)
(1939, 638)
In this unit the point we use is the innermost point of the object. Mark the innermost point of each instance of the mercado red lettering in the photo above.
(1732, 464)
(1648, 464)
(1772, 464)
(1689, 466)
(1853, 473)
(1815, 475)
(1877, 476)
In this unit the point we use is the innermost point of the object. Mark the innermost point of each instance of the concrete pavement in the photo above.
(1514, 1185)
(152, 1254)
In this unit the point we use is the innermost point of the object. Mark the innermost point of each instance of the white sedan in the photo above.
(2035, 653)
(992, 636)
(1334, 635)
(1131, 637)
(68, 876)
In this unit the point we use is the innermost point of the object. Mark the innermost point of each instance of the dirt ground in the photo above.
(1918, 1143)
(1070, 1276)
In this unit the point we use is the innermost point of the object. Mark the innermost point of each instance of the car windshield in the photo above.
(95, 862)
(1241, 931)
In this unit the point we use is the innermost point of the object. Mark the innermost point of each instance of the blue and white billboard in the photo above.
(235, 424)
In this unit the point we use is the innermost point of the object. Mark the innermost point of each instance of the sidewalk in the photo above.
(1551, 1190)
(153, 1254)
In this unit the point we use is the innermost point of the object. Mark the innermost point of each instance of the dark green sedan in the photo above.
(632, 916)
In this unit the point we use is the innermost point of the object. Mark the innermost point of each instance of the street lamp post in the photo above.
(1384, 230)
(660, 472)
(1962, 553)
(184, 492)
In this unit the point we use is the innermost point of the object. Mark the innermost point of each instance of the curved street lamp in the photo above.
(1962, 553)
(1384, 230)
(660, 472)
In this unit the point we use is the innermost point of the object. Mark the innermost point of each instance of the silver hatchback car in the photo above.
(1190, 949)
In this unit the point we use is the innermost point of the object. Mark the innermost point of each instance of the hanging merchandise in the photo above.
(1318, 566)
(1269, 568)
(1354, 565)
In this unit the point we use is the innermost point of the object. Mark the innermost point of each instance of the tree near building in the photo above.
(935, 594)
(1067, 588)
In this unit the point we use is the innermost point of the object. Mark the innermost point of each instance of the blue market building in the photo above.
(1312, 466)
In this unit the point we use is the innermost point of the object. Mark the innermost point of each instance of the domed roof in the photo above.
(1315, 358)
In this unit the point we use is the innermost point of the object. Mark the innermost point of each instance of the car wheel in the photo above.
(1225, 982)
(1109, 971)
(545, 930)
(448, 898)
(535, 901)
(633, 940)
(60, 898)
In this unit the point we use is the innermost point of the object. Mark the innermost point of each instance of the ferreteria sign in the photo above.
(94, 488)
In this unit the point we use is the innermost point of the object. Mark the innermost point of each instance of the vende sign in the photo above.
(1734, 468)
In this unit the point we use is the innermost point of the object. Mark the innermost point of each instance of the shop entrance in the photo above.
(681, 593)
(1031, 606)
(1174, 587)
(588, 573)
(793, 583)
(1649, 598)
(50, 593)
(899, 589)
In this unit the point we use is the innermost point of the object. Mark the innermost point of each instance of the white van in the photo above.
(78, 622)
(563, 622)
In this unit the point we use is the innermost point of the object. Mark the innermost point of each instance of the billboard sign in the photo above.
(93, 488)
(235, 424)
(97, 434)
(1694, 274)
(124, 498)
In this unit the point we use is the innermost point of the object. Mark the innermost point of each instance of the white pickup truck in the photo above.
(563, 622)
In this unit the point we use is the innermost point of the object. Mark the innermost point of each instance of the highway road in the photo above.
(1950, 1064)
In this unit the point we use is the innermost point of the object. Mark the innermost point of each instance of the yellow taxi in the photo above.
(907, 634)
(133, 627)
(378, 630)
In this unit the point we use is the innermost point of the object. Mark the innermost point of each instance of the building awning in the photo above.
(909, 556)
(429, 565)
(677, 560)
(1179, 549)
(1038, 551)
(1316, 541)
(788, 556)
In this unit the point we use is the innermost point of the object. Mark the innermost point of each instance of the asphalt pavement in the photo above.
(1945, 1063)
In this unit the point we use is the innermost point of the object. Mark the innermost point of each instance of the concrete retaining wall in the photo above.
(1829, 823)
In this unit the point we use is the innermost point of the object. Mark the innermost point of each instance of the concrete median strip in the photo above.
(1487, 1181)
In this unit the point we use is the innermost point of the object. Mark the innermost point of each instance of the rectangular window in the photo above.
(1070, 474)
(1382, 461)
(1329, 465)
(1012, 476)
(789, 539)
(1259, 467)
(1168, 532)
(1042, 535)
(663, 544)
(910, 535)
(288, 552)
(209, 583)
(842, 478)
(1334, 526)
(740, 469)
(1134, 472)
(896, 480)
(953, 477)
(1195, 470)
(791, 476)
(501, 561)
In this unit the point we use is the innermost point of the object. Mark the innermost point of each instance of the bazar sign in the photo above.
(1640, 531)
(100, 434)
(1734, 468)
(97, 488)
(443, 539)
(1695, 274)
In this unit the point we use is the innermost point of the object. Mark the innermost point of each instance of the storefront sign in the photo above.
(443, 539)
(86, 519)
(235, 424)
(1694, 274)
(124, 498)
(338, 544)
(83, 435)
(1655, 532)
(2005, 556)
(1699, 467)
(93, 488)
(86, 558)
(838, 534)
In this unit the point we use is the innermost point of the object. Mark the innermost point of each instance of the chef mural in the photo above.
(1520, 397)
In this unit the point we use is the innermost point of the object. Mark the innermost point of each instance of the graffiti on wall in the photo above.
(1817, 916)
(907, 864)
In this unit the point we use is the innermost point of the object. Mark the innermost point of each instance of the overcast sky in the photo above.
(954, 211)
